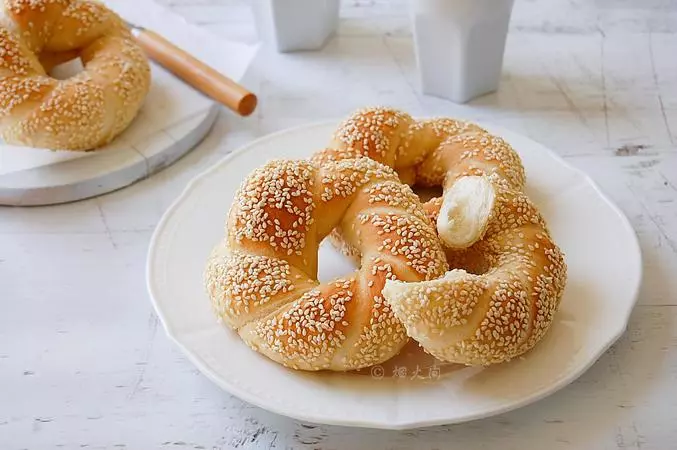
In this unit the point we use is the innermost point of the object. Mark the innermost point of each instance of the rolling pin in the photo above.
(194, 72)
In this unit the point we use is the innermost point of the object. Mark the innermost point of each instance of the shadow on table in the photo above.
(594, 410)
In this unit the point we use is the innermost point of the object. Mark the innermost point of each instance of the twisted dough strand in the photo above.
(508, 275)
(434, 152)
(501, 296)
(262, 279)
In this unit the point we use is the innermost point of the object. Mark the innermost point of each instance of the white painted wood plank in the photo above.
(569, 17)
(53, 220)
(643, 187)
(83, 361)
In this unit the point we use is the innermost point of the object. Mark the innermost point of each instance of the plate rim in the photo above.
(258, 401)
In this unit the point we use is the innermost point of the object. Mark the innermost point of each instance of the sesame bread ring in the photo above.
(501, 297)
(434, 152)
(262, 279)
(85, 111)
(508, 275)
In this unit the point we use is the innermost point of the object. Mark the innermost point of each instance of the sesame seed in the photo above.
(292, 205)
(507, 287)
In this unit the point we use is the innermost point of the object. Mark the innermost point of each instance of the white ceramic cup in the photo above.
(459, 45)
(296, 25)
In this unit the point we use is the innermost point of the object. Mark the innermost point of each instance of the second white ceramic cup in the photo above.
(459, 45)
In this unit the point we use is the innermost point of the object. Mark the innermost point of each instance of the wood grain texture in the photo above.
(84, 364)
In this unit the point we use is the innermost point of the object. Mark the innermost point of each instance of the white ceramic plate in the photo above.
(604, 275)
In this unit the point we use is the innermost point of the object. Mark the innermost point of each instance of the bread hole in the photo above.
(332, 263)
(427, 193)
(468, 191)
(477, 265)
(67, 69)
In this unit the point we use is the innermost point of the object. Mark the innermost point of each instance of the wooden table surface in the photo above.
(85, 364)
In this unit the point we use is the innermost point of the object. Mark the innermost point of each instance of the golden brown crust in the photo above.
(262, 279)
(440, 150)
(84, 111)
(511, 277)
(502, 298)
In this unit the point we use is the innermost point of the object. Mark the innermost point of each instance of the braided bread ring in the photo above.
(502, 296)
(507, 302)
(85, 111)
(435, 152)
(262, 279)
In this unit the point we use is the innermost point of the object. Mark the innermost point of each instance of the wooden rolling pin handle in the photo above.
(196, 73)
